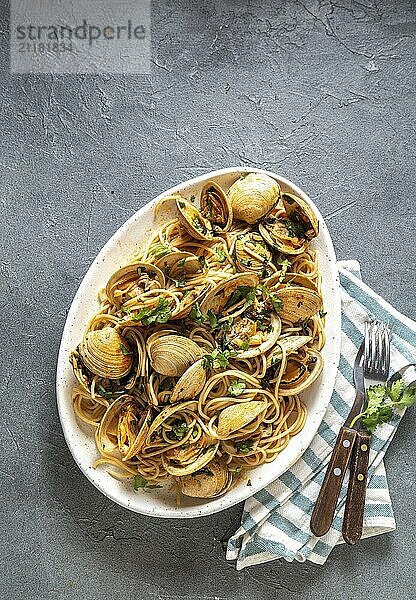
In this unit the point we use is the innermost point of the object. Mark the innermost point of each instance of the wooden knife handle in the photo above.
(323, 512)
(352, 526)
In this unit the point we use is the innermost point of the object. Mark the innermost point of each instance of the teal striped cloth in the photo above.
(275, 521)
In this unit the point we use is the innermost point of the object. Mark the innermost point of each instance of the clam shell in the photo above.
(235, 417)
(299, 303)
(172, 354)
(253, 197)
(205, 455)
(213, 481)
(137, 343)
(168, 412)
(176, 263)
(192, 220)
(79, 370)
(274, 233)
(190, 384)
(128, 422)
(296, 379)
(218, 297)
(102, 354)
(216, 207)
(299, 208)
(272, 338)
(252, 254)
(290, 344)
(127, 275)
(291, 279)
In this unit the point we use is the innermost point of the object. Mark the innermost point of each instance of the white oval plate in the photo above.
(116, 253)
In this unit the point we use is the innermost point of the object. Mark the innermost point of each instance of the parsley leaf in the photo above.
(196, 314)
(141, 482)
(160, 250)
(217, 359)
(237, 387)
(221, 255)
(125, 350)
(276, 302)
(244, 446)
(160, 314)
(242, 292)
(179, 429)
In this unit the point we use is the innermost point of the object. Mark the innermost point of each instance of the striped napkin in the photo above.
(275, 521)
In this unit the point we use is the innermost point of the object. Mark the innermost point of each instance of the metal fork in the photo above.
(376, 370)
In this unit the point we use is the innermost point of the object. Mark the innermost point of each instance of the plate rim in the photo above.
(222, 503)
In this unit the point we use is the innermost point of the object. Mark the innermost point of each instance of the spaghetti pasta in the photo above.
(193, 366)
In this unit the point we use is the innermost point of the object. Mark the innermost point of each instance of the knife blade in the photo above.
(324, 510)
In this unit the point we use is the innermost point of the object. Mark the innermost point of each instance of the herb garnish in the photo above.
(277, 303)
(242, 292)
(141, 482)
(160, 314)
(217, 359)
(295, 227)
(160, 250)
(125, 350)
(244, 446)
(382, 401)
(179, 429)
(237, 387)
(221, 255)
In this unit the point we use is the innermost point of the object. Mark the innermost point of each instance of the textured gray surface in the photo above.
(320, 92)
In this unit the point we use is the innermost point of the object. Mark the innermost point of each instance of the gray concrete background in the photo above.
(322, 93)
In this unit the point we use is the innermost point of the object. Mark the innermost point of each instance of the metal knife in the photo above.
(324, 510)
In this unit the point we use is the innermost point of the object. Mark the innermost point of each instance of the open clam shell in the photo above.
(300, 372)
(204, 453)
(216, 207)
(235, 417)
(210, 482)
(269, 342)
(290, 279)
(125, 427)
(195, 224)
(299, 303)
(138, 346)
(133, 280)
(172, 354)
(179, 263)
(252, 254)
(300, 211)
(190, 384)
(106, 353)
(218, 296)
(275, 233)
(253, 196)
(289, 344)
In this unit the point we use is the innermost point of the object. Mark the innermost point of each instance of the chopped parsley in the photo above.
(218, 359)
(237, 387)
(295, 227)
(160, 314)
(192, 198)
(322, 313)
(125, 350)
(140, 482)
(221, 255)
(179, 429)
(244, 446)
(276, 302)
(160, 250)
(245, 345)
(196, 314)
(202, 261)
(181, 262)
(243, 292)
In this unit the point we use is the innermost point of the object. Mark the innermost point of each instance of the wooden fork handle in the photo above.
(323, 512)
(352, 526)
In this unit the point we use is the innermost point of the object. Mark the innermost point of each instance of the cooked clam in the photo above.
(216, 207)
(300, 372)
(289, 344)
(172, 354)
(244, 330)
(195, 459)
(252, 254)
(193, 221)
(276, 281)
(210, 482)
(217, 298)
(190, 384)
(125, 426)
(299, 303)
(176, 264)
(106, 353)
(139, 365)
(235, 417)
(289, 232)
(132, 281)
(253, 197)
(299, 211)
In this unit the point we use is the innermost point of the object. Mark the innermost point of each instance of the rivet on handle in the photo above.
(337, 471)
(360, 477)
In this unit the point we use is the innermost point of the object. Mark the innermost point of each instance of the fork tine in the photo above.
(374, 347)
(367, 348)
(381, 348)
(386, 338)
